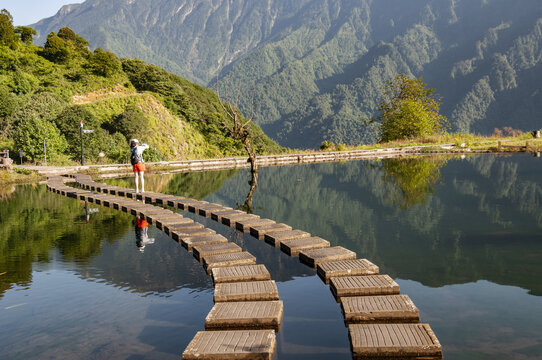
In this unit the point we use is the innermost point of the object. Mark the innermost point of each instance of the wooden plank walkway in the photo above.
(203, 250)
(246, 291)
(245, 315)
(295, 246)
(379, 309)
(404, 341)
(317, 256)
(275, 238)
(233, 259)
(331, 269)
(191, 241)
(353, 281)
(224, 345)
(259, 231)
(363, 285)
(250, 340)
(240, 273)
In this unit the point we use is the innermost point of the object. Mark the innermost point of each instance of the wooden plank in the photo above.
(152, 218)
(275, 238)
(379, 309)
(240, 273)
(217, 215)
(295, 246)
(163, 199)
(171, 222)
(230, 220)
(184, 204)
(318, 256)
(245, 225)
(259, 231)
(331, 269)
(200, 251)
(178, 234)
(174, 201)
(246, 291)
(230, 345)
(245, 315)
(169, 228)
(206, 210)
(194, 207)
(404, 341)
(191, 241)
(233, 259)
(363, 285)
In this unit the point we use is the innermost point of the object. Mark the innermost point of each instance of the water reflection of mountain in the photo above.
(480, 219)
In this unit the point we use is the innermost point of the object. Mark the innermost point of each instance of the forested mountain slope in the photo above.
(312, 70)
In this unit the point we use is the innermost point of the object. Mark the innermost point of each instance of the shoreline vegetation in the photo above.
(460, 144)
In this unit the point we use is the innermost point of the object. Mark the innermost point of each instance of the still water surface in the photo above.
(461, 237)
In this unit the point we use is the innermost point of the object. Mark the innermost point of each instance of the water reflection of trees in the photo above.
(479, 218)
(34, 221)
(411, 179)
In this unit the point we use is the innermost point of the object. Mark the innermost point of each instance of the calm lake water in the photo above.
(462, 237)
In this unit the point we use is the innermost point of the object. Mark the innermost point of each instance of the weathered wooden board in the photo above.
(162, 200)
(169, 228)
(231, 345)
(259, 231)
(217, 215)
(171, 222)
(201, 251)
(363, 285)
(245, 225)
(174, 201)
(194, 207)
(191, 241)
(207, 210)
(178, 234)
(233, 259)
(379, 309)
(240, 273)
(331, 269)
(318, 256)
(401, 341)
(275, 238)
(183, 205)
(230, 220)
(246, 291)
(152, 218)
(245, 315)
(295, 246)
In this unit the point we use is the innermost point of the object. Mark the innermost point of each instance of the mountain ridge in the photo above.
(312, 70)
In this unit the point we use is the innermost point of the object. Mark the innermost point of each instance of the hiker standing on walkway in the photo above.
(136, 158)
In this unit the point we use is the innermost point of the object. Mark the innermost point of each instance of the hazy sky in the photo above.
(26, 12)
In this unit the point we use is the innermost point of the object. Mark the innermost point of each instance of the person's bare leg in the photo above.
(142, 181)
(137, 181)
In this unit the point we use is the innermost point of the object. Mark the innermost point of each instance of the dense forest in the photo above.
(46, 91)
(313, 69)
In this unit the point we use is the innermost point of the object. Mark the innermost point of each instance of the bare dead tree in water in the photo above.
(240, 130)
(247, 205)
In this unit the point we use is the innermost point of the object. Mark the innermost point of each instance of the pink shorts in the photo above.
(139, 167)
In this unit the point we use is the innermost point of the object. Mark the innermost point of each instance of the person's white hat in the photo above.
(135, 140)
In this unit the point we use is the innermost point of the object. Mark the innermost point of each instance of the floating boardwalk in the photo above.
(247, 313)
(382, 323)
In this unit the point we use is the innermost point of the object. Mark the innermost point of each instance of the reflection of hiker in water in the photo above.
(142, 238)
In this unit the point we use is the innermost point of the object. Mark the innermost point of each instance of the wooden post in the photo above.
(499, 146)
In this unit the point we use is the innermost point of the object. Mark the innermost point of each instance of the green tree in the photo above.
(26, 34)
(409, 109)
(104, 63)
(132, 123)
(56, 49)
(30, 134)
(7, 32)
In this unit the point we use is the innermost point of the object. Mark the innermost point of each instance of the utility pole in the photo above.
(81, 132)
